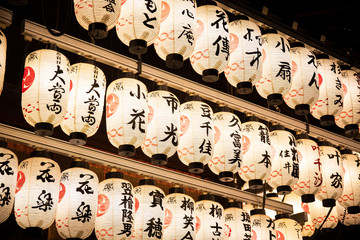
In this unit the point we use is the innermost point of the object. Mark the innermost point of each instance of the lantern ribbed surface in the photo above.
(348, 219)
(318, 214)
(3, 47)
(288, 229)
(262, 227)
(237, 224)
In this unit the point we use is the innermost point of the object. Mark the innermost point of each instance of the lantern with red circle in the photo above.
(3, 47)
(237, 222)
(262, 226)
(287, 228)
(318, 214)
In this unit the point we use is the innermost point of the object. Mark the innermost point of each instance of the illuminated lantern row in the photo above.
(246, 58)
(45, 90)
(349, 118)
(285, 163)
(86, 102)
(330, 102)
(346, 218)
(78, 197)
(318, 214)
(176, 39)
(139, 24)
(211, 52)
(8, 174)
(163, 126)
(287, 228)
(126, 114)
(275, 81)
(179, 222)
(257, 153)
(3, 47)
(237, 222)
(262, 226)
(210, 219)
(304, 91)
(37, 192)
(115, 209)
(97, 16)
(226, 159)
(196, 134)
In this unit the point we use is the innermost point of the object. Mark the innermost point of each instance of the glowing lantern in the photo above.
(97, 16)
(3, 47)
(318, 214)
(196, 134)
(248, 207)
(347, 218)
(349, 118)
(179, 220)
(226, 158)
(37, 192)
(333, 175)
(237, 222)
(246, 59)
(262, 226)
(8, 173)
(295, 201)
(273, 196)
(115, 209)
(176, 39)
(304, 91)
(308, 229)
(86, 102)
(210, 218)
(287, 228)
(257, 153)
(75, 216)
(275, 81)
(330, 102)
(45, 90)
(149, 211)
(211, 52)
(163, 126)
(126, 114)
(139, 24)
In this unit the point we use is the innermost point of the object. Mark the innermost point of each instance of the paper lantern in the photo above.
(285, 164)
(196, 134)
(246, 58)
(333, 175)
(349, 118)
(126, 114)
(115, 209)
(78, 198)
(350, 197)
(86, 102)
(149, 211)
(272, 196)
(257, 153)
(304, 91)
(3, 47)
(295, 200)
(45, 90)
(163, 126)
(248, 207)
(275, 81)
(330, 102)
(179, 220)
(262, 226)
(308, 229)
(287, 228)
(226, 159)
(37, 192)
(139, 24)
(176, 39)
(211, 52)
(210, 219)
(8, 173)
(318, 214)
(97, 16)
(345, 217)
(237, 223)
(310, 169)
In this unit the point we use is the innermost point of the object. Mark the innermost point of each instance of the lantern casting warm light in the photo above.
(287, 228)
(318, 214)
(262, 226)
(3, 47)
(237, 222)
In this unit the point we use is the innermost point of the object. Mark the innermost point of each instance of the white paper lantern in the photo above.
(115, 209)
(295, 200)
(86, 102)
(8, 174)
(318, 214)
(257, 153)
(345, 217)
(126, 114)
(97, 16)
(210, 219)
(237, 223)
(149, 211)
(163, 126)
(308, 229)
(310, 172)
(330, 102)
(78, 198)
(262, 226)
(3, 47)
(176, 39)
(196, 139)
(211, 52)
(139, 24)
(333, 176)
(45, 90)
(304, 91)
(226, 159)
(179, 220)
(287, 228)
(37, 191)
(275, 81)
(349, 118)
(246, 57)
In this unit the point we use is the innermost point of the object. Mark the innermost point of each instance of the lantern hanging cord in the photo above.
(307, 124)
(46, 18)
(139, 66)
(264, 195)
(318, 230)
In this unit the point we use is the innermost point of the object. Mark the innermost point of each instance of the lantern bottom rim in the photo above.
(351, 130)
(44, 129)
(126, 150)
(159, 159)
(226, 176)
(308, 198)
(210, 75)
(275, 99)
(327, 120)
(284, 190)
(353, 210)
(302, 109)
(33, 232)
(329, 202)
(244, 88)
(174, 61)
(255, 183)
(138, 46)
(98, 30)
(78, 138)
(196, 167)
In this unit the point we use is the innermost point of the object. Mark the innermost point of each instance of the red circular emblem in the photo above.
(28, 78)
(168, 218)
(112, 103)
(103, 205)
(19, 181)
(61, 191)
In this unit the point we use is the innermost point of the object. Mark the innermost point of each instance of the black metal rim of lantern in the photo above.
(79, 164)
(138, 46)
(274, 99)
(177, 190)
(244, 88)
(353, 210)
(118, 175)
(206, 2)
(302, 109)
(351, 130)
(98, 30)
(234, 204)
(308, 198)
(147, 181)
(282, 216)
(43, 129)
(126, 150)
(209, 197)
(78, 138)
(210, 75)
(283, 190)
(196, 167)
(255, 184)
(33, 232)
(277, 126)
(327, 120)
(226, 176)
(252, 118)
(257, 211)
(272, 194)
(174, 61)
(40, 153)
(159, 159)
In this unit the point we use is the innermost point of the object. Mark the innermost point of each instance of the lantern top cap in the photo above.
(193, 97)
(114, 175)
(282, 215)
(324, 143)
(234, 204)
(150, 182)
(206, 197)
(223, 109)
(272, 194)
(269, 30)
(252, 119)
(161, 87)
(80, 164)
(277, 126)
(257, 211)
(302, 136)
(206, 2)
(297, 44)
(40, 153)
(322, 56)
(241, 17)
(127, 75)
(345, 67)
(346, 151)
(3, 144)
(177, 190)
